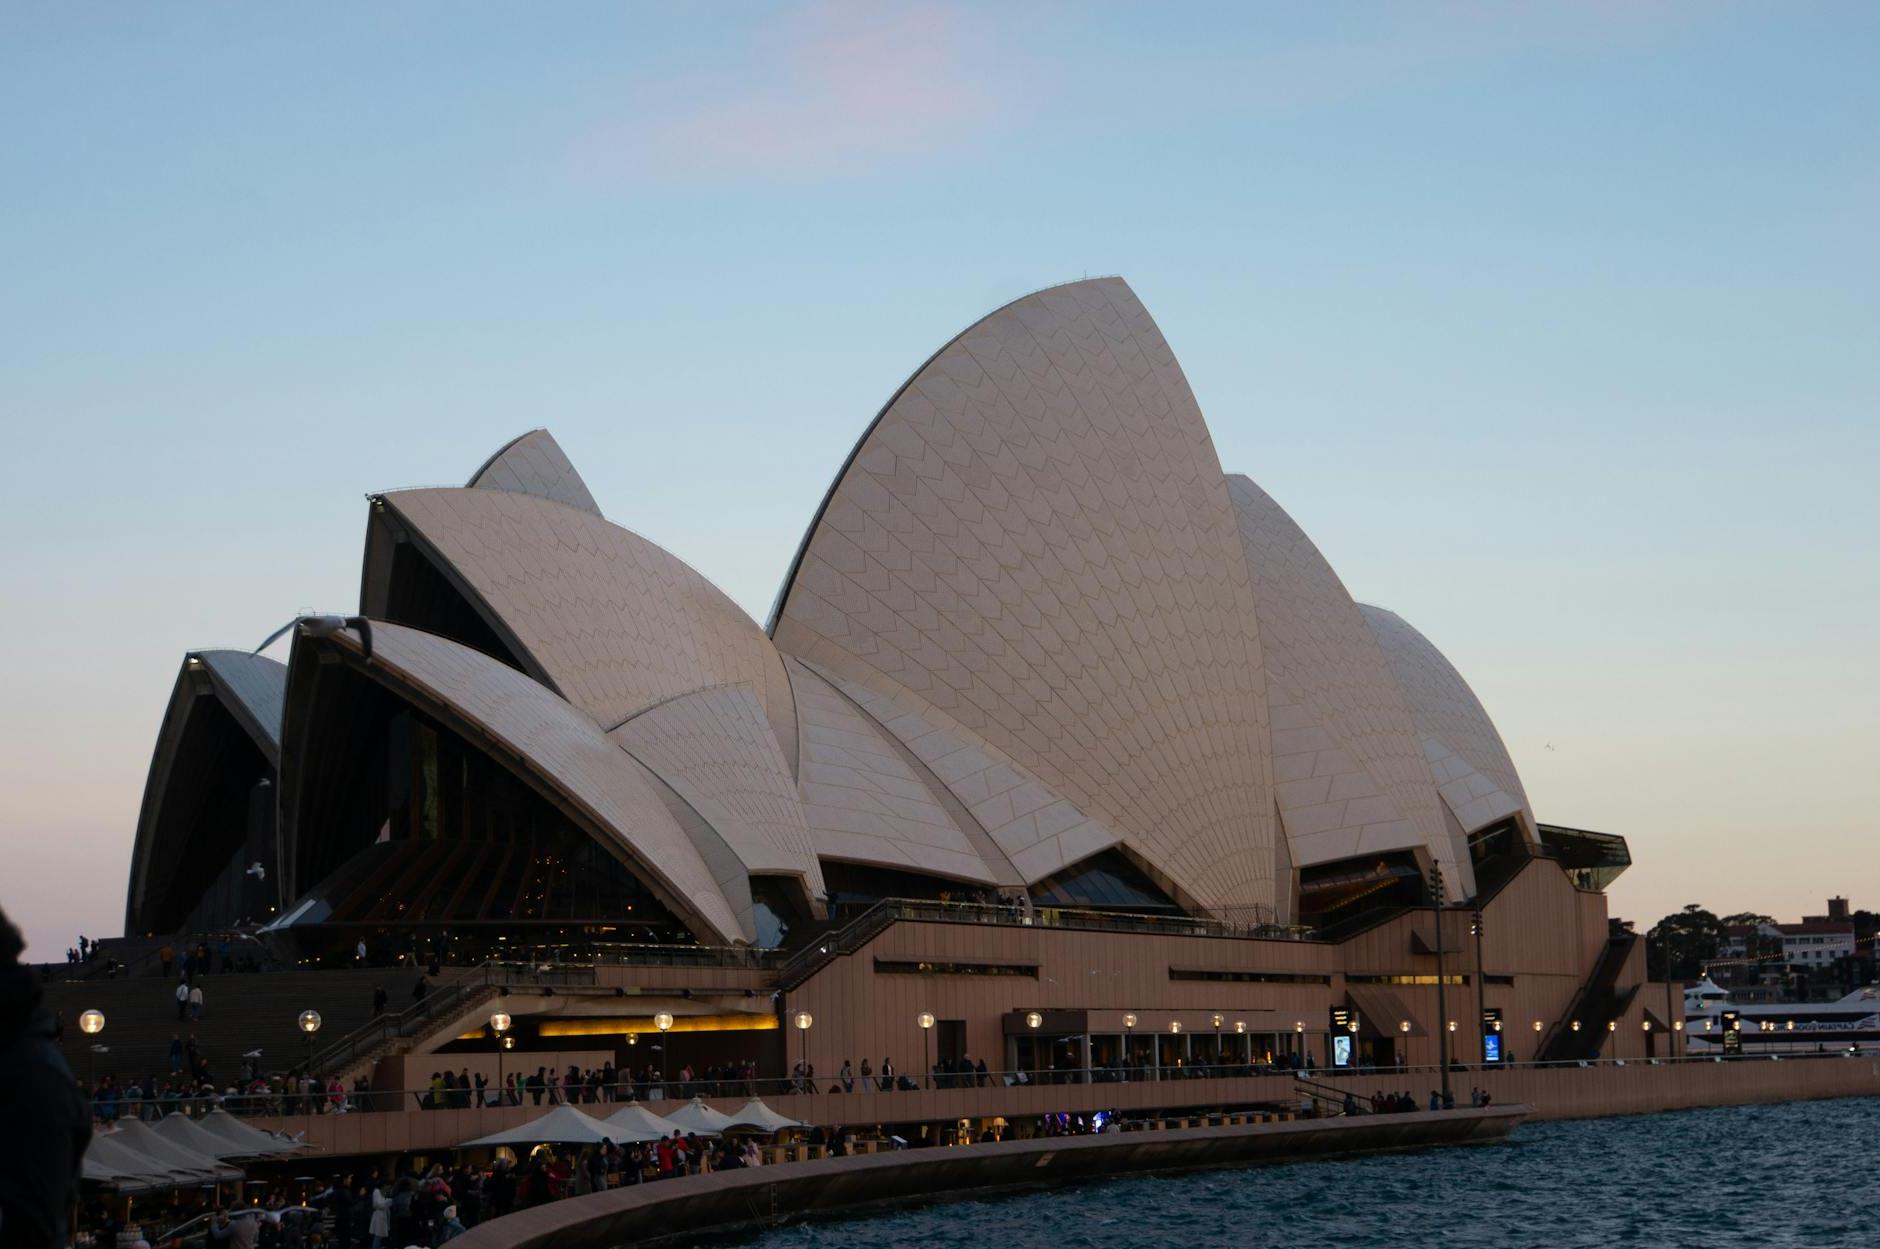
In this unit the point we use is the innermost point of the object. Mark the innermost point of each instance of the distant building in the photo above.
(1816, 942)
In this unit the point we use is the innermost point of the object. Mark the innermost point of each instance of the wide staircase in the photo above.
(1599, 1003)
(240, 1013)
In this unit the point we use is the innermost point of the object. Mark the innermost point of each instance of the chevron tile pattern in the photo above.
(1035, 540)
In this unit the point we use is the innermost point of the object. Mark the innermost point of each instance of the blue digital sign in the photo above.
(1491, 1047)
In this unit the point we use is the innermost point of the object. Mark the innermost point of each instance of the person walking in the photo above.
(380, 1225)
(182, 1000)
(195, 1002)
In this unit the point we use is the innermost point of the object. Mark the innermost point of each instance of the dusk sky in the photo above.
(1556, 326)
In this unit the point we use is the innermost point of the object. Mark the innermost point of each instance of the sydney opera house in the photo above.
(1057, 730)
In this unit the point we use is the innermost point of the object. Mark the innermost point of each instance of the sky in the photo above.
(1556, 326)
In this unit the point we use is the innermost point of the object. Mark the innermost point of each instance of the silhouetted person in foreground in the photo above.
(47, 1124)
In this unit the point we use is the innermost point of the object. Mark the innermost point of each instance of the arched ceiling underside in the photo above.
(1034, 541)
(250, 690)
(614, 623)
(1349, 769)
(1473, 770)
(560, 751)
(534, 463)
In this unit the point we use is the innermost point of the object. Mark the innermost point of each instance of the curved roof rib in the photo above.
(1348, 764)
(1034, 540)
(567, 757)
(250, 690)
(1473, 770)
(612, 622)
(534, 463)
(866, 799)
(715, 750)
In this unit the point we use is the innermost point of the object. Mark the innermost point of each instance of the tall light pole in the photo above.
(1481, 992)
(1218, 1064)
(1129, 1034)
(1442, 1000)
(499, 1024)
(925, 1020)
(91, 1023)
(1674, 1016)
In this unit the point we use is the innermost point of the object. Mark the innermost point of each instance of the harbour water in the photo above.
(1794, 1176)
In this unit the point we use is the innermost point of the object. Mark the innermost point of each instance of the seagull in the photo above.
(257, 871)
(1549, 746)
(252, 1054)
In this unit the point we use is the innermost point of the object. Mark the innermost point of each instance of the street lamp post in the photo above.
(803, 1019)
(309, 1023)
(1246, 1047)
(925, 1020)
(1442, 1007)
(1481, 992)
(91, 1023)
(663, 1021)
(499, 1024)
(1218, 1064)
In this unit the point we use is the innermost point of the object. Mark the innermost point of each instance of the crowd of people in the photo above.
(1383, 1103)
(577, 1086)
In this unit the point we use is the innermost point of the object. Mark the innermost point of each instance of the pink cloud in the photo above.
(835, 87)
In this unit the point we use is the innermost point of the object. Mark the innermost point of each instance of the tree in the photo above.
(1692, 935)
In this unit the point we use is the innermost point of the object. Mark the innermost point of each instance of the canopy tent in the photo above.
(564, 1125)
(243, 1141)
(186, 1132)
(181, 1159)
(754, 1114)
(109, 1160)
(634, 1124)
(698, 1118)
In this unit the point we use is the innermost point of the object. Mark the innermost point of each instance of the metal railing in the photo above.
(857, 932)
(448, 996)
(660, 1094)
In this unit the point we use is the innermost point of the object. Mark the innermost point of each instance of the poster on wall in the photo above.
(1341, 1050)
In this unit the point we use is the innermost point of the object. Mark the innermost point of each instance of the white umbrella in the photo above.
(634, 1124)
(564, 1125)
(698, 1118)
(180, 1158)
(754, 1114)
(191, 1135)
(111, 1160)
(243, 1140)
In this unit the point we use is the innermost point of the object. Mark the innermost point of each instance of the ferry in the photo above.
(1851, 1023)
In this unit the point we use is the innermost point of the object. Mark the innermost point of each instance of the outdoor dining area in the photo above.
(757, 1127)
(178, 1151)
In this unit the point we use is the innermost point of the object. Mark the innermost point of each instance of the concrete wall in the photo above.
(1553, 1093)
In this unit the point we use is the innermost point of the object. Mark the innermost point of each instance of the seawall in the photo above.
(733, 1201)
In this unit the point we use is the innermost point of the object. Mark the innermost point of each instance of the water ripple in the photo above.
(1772, 1177)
